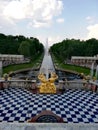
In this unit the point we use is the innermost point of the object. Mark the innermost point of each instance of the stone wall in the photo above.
(46, 126)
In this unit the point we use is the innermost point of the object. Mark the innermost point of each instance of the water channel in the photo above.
(47, 67)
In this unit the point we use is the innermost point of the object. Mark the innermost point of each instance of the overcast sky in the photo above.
(52, 19)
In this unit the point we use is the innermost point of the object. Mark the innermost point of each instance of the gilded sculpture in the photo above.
(47, 85)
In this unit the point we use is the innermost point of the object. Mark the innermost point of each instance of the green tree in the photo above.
(72, 47)
(24, 48)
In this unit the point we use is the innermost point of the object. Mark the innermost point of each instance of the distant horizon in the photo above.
(55, 19)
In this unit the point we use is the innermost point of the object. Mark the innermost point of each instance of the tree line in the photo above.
(20, 45)
(72, 47)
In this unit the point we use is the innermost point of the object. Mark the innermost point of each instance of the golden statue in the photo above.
(47, 86)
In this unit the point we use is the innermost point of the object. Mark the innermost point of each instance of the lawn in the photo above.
(33, 64)
(75, 68)
(70, 67)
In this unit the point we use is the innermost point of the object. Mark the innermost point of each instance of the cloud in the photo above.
(38, 23)
(90, 19)
(39, 12)
(60, 20)
(14, 10)
(92, 31)
(4, 21)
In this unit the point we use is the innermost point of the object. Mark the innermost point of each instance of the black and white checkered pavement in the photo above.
(17, 104)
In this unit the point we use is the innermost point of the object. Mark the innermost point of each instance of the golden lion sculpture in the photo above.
(47, 86)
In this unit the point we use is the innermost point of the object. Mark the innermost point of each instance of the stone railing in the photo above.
(18, 83)
(78, 84)
(32, 84)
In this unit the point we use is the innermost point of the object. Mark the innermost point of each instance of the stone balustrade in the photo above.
(74, 84)
(18, 83)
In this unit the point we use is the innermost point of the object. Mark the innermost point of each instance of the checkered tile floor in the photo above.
(19, 105)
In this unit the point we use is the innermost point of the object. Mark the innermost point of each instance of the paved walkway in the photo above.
(74, 106)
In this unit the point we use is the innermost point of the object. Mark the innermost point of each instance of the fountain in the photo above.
(47, 81)
(47, 64)
(92, 70)
(47, 86)
(96, 74)
(94, 79)
(0, 68)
